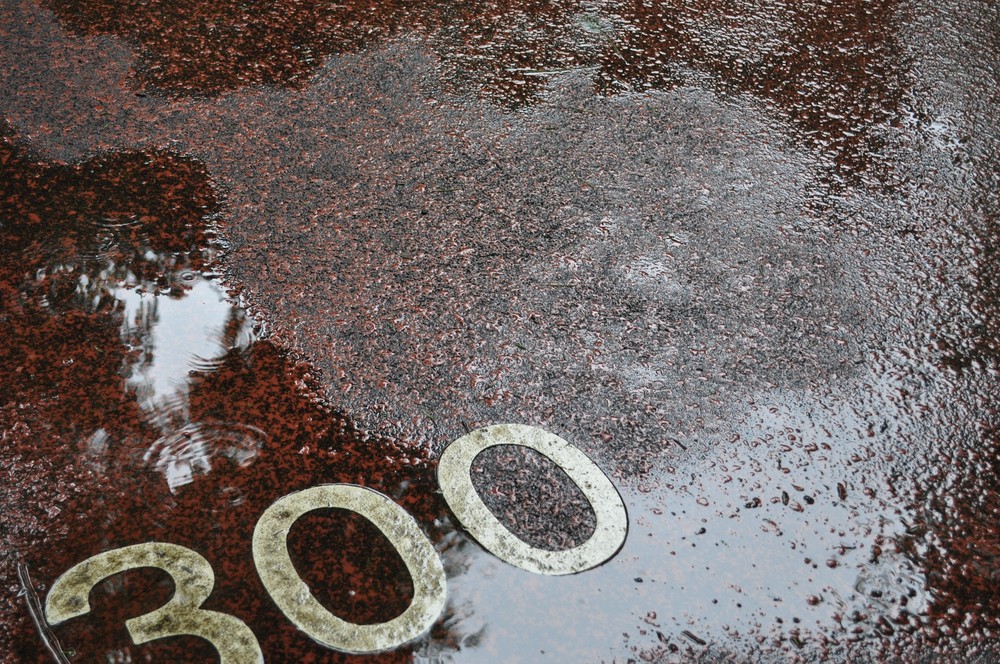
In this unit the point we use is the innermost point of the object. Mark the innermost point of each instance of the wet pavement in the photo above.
(741, 255)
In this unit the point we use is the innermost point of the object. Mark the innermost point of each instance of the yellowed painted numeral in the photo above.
(292, 595)
(193, 582)
(609, 510)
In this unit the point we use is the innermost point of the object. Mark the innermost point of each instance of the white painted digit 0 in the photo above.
(609, 510)
(292, 595)
(193, 578)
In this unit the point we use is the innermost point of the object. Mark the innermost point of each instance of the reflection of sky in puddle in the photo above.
(180, 335)
(184, 333)
(784, 535)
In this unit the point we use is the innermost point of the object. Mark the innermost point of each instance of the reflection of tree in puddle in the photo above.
(73, 237)
(168, 339)
(833, 68)
(136, 405)
(117, 242)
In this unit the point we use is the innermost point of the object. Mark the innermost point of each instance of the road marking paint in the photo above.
(193, 578)
(456, 484)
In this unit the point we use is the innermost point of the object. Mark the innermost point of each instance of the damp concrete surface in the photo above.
(741, 255)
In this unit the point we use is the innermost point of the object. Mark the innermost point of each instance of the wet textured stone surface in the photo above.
(834, 68)
(743, 256)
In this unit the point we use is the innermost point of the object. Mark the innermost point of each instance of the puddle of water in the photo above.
(757, 553)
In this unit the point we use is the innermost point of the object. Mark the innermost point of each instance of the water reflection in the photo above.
(120, 240)
(75, 238)
(175, 335)
(169, 339)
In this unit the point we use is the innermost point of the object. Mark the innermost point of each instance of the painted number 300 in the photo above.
(236, 644)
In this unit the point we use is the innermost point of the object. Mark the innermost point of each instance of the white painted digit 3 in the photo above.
(609, 510)
(193, 582)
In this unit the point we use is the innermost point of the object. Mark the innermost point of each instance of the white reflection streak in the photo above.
(177, 335)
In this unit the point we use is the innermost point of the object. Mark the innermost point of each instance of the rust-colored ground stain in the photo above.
(833, 67)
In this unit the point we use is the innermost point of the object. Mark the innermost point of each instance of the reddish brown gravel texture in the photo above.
(741, 254)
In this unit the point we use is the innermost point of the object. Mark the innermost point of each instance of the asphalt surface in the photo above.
(741, 255)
